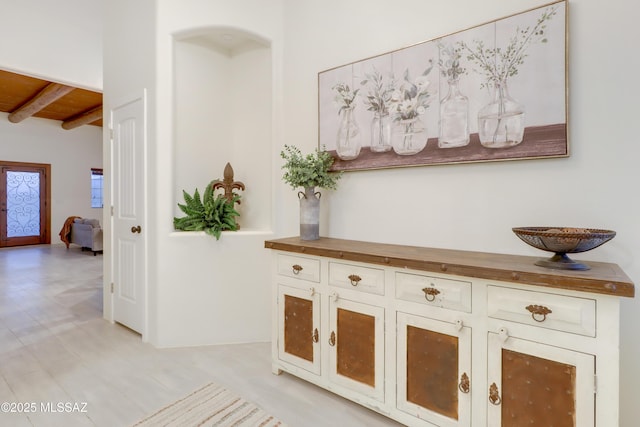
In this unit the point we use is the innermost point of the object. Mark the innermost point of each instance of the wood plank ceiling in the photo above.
(23, 97)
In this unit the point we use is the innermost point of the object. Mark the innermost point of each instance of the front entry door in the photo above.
(24, 204)
(128, 122)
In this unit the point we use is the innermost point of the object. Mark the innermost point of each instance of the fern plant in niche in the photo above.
(212, 213)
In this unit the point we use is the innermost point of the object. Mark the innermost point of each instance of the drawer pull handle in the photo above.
(296, 268)
(430, 294)
(314, 337)
(332, 339)
(464, 383)
(354, 279)
(538, 312)
(494, 395)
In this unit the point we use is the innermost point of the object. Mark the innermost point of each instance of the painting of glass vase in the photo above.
(495, 91)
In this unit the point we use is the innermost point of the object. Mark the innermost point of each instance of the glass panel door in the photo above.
(24, 211)
(23, 204)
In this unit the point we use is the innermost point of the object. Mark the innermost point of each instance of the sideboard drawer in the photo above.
(559, 312)
(299, 267)
(356, 277)
(434, 291)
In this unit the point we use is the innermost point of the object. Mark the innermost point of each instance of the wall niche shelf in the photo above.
(223, 96)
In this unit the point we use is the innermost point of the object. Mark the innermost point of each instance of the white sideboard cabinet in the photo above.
(433, 337)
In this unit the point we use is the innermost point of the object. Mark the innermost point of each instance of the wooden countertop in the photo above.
(602, 278)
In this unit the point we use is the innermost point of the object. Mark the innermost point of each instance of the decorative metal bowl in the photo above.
(563, 241)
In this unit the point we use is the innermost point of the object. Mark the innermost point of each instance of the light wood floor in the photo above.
(55, 347)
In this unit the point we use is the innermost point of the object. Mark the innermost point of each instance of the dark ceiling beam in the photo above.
(83, 118)
(51, 93)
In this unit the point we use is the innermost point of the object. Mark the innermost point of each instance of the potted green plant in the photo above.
(211, 214)
(309, 171)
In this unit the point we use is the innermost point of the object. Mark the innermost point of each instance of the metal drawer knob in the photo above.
(296, 268)
(354, 279)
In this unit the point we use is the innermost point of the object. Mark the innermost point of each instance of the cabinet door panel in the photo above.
(356, 355)
(298, 327)
(299, 320)
(434, 370)
(537, 384)
(356, 346)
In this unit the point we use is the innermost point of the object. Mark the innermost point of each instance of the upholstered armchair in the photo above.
(87, 233)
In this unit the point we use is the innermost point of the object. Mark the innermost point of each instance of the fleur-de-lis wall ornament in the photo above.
(228, 184)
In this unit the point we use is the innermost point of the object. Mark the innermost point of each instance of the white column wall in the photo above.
(210, 291)
(474, 206)
(129, 71)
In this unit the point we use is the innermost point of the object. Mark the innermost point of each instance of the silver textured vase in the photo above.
(309, 214)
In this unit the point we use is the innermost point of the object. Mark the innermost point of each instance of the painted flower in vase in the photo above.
(454, 107)
(409, 102)
(501, 122)
(348, 137)
(378, 100)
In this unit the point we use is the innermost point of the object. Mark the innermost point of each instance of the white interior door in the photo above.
(128, 122)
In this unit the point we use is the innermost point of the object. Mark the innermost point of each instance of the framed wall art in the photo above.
(496, 91)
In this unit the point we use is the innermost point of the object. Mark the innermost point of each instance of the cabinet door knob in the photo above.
(464, 383)
(538, 312)
(494, 395)
(136, 229)
(355, 279)
(296, 268)
(314, 337)
(430, 293)
(332, 339)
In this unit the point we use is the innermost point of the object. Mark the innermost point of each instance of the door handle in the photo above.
(136, 229)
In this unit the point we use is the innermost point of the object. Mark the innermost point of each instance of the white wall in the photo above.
(71, 154)
(203, 137)
(57, 40)
(474, 206)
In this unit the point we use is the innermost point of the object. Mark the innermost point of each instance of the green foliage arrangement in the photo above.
(498, 63)
(211, 214)
(311, 170)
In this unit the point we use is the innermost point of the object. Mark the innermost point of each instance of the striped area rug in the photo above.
(210, 405)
